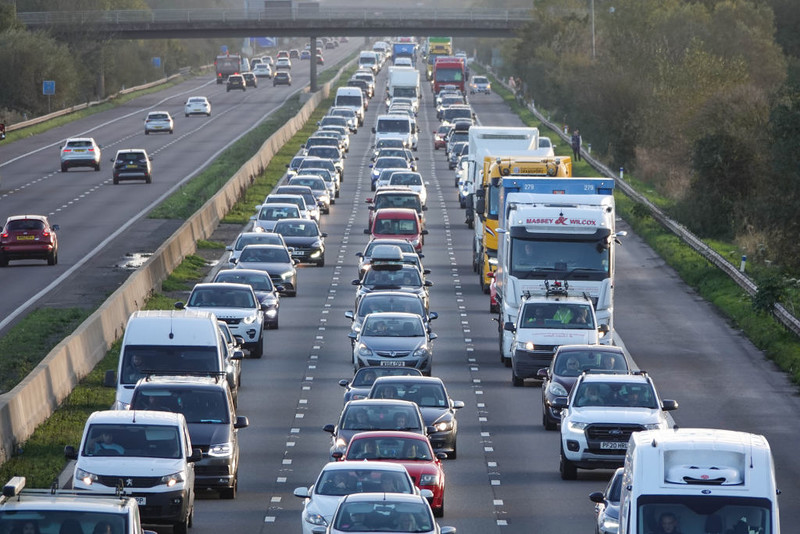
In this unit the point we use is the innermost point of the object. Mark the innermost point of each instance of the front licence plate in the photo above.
(25, 237)
(619, 445)
(393, 363)
(141, 501)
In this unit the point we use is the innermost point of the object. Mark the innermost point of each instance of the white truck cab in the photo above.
(702, 480)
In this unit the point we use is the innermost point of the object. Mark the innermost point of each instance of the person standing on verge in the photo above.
(576, 145)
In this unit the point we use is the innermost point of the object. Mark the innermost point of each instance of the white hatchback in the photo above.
(197, 105)
(158, 121)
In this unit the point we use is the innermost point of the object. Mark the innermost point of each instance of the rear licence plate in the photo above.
(26, 237)
(131, 166)
(141, 501)
(393, 363)
(618, 445)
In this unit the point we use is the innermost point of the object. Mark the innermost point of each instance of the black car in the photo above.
(304, 240)
(250, 79)
(268, 294)
(236, 81)
(606, 508)
(207, 405)
(569, 361)
(132, 164)
(438, 409)
(393, 278)
(281, 78)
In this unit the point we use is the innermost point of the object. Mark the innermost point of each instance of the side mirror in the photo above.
(349, 314)
(329, 428)
(560, 403)
(428, 283)
(180, 306)
(241, 422)
(70, 453)
(432, 336)
(352, 335)
(543, 374)
(110, 379)
(356, 282)
(509, 327)
(237, 354)
(432, 316)
(196, 456)
(367, 231)
(424, 232)
(598, 497)
(344, 382)
(668, 405)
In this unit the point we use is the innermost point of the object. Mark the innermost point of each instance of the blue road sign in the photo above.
(49, 87)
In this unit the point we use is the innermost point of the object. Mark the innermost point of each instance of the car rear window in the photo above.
(27, 224)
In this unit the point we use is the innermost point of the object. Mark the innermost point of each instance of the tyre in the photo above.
(516, 381)
(148, 179)
(3, 261)
(321, 262)
(567, 469)
(258, 351)
(439, 512)
(97, 168)
(170, 132)
(230, 493)
(63, 168)
(116, 180)
(546, 422)
(146, 132)
(186, 114)
(454, 453)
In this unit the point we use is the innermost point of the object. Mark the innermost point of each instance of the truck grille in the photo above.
(129, 482)
(611, 432)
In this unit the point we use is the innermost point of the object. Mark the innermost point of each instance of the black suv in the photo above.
(236, 81)
(281, 78)
(207, 404)
(132, 164)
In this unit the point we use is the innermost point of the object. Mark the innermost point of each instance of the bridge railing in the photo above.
(40, 18)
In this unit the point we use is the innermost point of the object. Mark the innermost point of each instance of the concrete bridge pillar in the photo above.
(313, 84)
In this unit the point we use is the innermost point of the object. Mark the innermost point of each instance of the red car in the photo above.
(440, 137)
(494, 304)
(398, 223)
(28, 237)
(412, 450)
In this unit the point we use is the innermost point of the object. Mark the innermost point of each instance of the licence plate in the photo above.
(618, 445)
(393, 363)
(79, 150)
(141, 501)
(131, 166)
(26, 237)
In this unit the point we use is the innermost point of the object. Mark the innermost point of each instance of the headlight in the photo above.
(221, 450)
(340, 444)
(557, 390)
(250, 319)
(429, 480)
(85, 476)
(287, 275)
(314, 519)
(171, 480)
(271, 313)
(652, 426)
(575, 425)
(364, 350)
(443, 426)
(525, 345)
(421, 352)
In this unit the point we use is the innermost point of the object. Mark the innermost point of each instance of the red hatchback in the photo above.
(440, 137)
(412, 450)
(398, 223)
(28, 237)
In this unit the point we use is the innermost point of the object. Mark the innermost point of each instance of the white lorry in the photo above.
(547, 239)
(403, 82)
(485, 143)
(700, 480)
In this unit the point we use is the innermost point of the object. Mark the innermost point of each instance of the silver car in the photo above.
(158, 121)
(80, 152)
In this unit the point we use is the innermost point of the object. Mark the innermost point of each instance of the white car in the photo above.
(237, 305)
(197, 105)
(262, 70)
(412, 180)
(338, 479)
(601, 413)
(283, 63)
(158, 121)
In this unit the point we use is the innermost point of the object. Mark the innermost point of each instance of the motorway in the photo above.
(91, 211)
(506, 476)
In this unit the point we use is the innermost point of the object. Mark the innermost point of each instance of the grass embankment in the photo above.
(41, 458)
(712, 284)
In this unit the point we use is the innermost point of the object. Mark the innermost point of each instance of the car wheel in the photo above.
(454, 453)
(274, 324)
(116, 180)
(546, 422)
(567, 469)
(148, 179)
(186, 115)
(97, 168)
(146, 132)
(230, 493)
(516, 381)
(63, 168)
(336, 195)
(171, 132)
(439, 511)
(258, 351)
(181, 527)
(3, 261)
(321, 262)
(494, 308)
(227, 90)
(208, 114)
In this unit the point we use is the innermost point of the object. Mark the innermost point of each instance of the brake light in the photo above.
(45, 233)
(4, 235)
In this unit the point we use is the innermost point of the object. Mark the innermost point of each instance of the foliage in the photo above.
(771, 291)
(189, 270)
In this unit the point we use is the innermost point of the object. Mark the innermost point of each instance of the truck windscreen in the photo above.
(139, 361)
(573, 260)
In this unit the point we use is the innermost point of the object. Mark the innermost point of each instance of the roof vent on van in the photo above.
(705, 475)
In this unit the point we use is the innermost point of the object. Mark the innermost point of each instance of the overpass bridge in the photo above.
(301, 19)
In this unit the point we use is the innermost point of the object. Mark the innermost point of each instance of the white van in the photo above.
(369, 60)
(396, 126)
(351, 98)
(151, 452)
(701, 480)
(166, 343)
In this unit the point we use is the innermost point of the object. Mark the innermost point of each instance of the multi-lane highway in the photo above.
(506, 476)
(85, 203)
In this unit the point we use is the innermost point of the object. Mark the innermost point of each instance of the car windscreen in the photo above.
(386, 303)
(264, 255)
(364, 479)
(48, 520)
(139, 361)
(133, 440)
(293, 229)
(259, 282)
(258, 239)
(274, 213)
(393, 126)
(221, 297)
